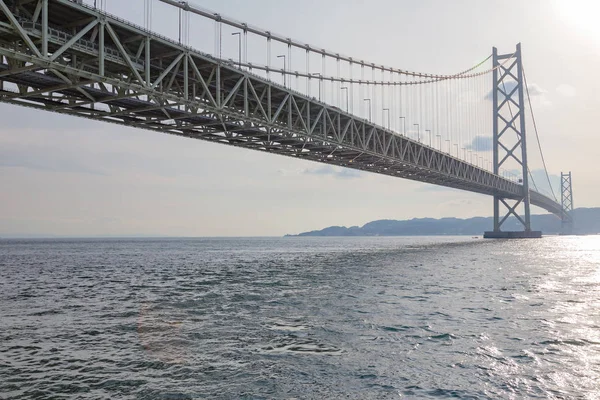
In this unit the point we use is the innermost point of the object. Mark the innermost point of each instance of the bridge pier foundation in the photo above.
(513, 235)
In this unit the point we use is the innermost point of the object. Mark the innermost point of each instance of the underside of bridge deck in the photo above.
(59, 56)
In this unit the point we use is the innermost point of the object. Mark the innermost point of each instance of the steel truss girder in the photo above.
(152, 83)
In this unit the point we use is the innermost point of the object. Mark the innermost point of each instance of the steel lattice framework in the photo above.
(508, 93)
(60, 56)
(566, 195)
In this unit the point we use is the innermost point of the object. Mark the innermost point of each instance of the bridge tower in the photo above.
(509, 141)
(566, 197)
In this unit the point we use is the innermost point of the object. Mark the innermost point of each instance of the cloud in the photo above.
(480, 143)
(20, 117)
(43, 158)
(535, 91)
(566, 90)
(456, 203)
(336, 172)
(541, 182)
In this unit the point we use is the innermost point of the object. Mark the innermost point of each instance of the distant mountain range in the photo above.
(587, 221)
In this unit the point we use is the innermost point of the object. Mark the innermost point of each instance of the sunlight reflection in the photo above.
(160, 334)
(573, 285)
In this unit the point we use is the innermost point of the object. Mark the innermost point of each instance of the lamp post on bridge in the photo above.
(369, 100)
(179, 25)
(439, 141)
(388, 110)
(320, 79)
(347, 96)
(429, 130)
(239, 35)
(284, 67)
(448, 140)
(403, 125)
(456, 145)
(418, 132)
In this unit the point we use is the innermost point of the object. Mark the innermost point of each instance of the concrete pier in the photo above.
(513, 235)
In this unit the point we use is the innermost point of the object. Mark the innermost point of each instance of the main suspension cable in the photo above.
(538, 136)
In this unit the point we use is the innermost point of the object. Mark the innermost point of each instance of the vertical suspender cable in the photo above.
(537, 135)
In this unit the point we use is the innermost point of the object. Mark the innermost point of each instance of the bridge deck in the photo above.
(93, 65)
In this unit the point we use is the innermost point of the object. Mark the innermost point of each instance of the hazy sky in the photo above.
(62, 175)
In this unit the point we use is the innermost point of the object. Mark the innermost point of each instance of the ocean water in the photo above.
(300, 318)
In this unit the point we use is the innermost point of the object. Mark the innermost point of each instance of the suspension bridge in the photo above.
(255, 89)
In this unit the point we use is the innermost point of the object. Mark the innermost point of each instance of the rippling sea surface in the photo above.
(262, 318)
